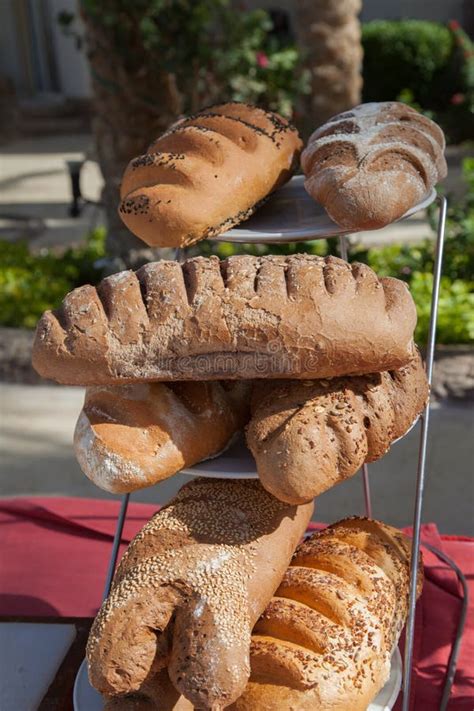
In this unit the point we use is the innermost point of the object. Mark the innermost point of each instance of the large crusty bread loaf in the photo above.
(306, 436)
(128, 437)
(368, 166)
(190, 588)
(299, 316)
(325, 639)
(207, 173)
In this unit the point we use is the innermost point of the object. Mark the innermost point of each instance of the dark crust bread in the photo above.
(306, 436)
(369, 165)
(246, 317)
(207, 173)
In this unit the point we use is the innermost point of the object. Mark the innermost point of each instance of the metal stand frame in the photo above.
(420, 484)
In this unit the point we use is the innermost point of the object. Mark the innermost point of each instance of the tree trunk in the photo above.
(131, 110)
(328, 33)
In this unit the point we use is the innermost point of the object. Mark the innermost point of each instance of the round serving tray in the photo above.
(291, 215)
(86, 698)
(237, 462)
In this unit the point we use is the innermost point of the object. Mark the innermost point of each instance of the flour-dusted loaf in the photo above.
(207, 173)
(368, 166)
(190, 588)
(306, 436)
(245, 317)
(128, 437)
(325, 640)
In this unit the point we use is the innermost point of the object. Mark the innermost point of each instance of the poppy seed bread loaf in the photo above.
(207, 173)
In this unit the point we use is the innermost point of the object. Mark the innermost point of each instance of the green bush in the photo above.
(455, 313)
(404, 54)
(31, 283)
(426, 64)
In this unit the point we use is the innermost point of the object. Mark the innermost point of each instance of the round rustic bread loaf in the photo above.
(369, 165)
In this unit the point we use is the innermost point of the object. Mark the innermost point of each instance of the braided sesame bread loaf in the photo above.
(299, 316)
(207, 173)
(368, 166)
(325, 640)
(190, 588)
(128, 437)
(306, 436)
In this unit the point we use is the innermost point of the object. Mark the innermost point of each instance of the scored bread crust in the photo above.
(246, 317)
(369, 165)
(129, 437)
(189, 589)
(306, 436)
(326, 637)
(207, 173)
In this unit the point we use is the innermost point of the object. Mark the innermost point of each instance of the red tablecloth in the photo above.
(54, 556)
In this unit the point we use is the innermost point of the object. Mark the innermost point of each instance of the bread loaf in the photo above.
(368, 166)
(207, 173)
(299, 317)
(130, 436)
(190, 588)
(325, 640)
(306, 436)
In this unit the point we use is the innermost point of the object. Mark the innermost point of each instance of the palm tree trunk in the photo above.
(130, 111)
(329, 35)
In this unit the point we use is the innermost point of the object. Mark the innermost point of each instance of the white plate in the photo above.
(290, 214)
(234, 463)
(87, 699)
(237, 462)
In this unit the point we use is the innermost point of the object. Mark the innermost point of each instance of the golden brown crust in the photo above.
(207, 173)
(246, 317)
(190, 588)
(327, 642)
(369, 165)
(307, 436)
(325, 639)
(129, 437)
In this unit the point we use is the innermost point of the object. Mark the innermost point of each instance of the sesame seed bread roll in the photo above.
(325, 640)
(306, 436)
(369, 165)
(190, 588)
(207, 173)
(245, 317)
(129, 437)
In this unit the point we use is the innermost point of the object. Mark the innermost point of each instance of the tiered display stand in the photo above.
(291, 215)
